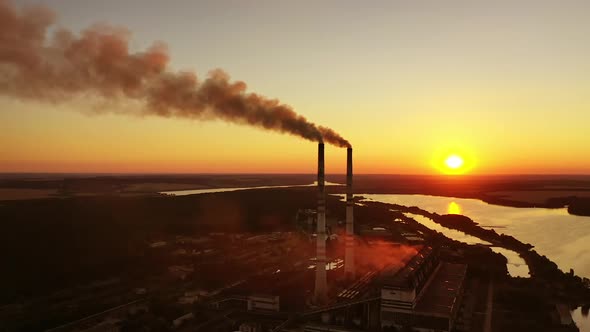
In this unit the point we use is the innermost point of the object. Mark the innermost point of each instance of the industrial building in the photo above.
(425, 294)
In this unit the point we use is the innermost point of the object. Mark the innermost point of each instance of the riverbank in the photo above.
(565, 287)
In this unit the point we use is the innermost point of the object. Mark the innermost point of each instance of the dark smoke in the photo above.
(57, 67)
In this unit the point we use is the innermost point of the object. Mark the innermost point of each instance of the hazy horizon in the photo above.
(310, 174)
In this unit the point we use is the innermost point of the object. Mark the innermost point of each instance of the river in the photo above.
(562, 237)
(220, 190)
(517, 267)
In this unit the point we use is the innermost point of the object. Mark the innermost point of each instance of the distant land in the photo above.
(549, 191)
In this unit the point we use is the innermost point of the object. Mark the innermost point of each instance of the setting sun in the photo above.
(454, 162)
(454, 159)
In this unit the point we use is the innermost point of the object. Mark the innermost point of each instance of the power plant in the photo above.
(388, 276)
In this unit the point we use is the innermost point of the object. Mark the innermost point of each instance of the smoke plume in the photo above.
(35, 64)
(381, 254)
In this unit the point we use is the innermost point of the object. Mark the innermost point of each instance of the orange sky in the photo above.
(62, 140)
(407, 85)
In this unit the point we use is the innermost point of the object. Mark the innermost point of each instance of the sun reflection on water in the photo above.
(454, 208)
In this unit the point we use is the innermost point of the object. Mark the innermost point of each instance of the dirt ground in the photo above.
(18, 194)
(537, 196)
(161, 186)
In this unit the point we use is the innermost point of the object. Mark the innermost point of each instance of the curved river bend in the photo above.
(563, 238)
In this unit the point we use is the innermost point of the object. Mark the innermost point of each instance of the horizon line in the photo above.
(279, 173)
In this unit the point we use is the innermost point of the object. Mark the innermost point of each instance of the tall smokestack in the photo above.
(349, 239)
(321, 288)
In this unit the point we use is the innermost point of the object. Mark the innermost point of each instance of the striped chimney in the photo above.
(349, 239)
(321, 287)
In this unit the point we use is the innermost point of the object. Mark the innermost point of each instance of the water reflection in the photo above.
(580, 316)
(517, 267)
(454, 208)
(450, 233)
(220, 190)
